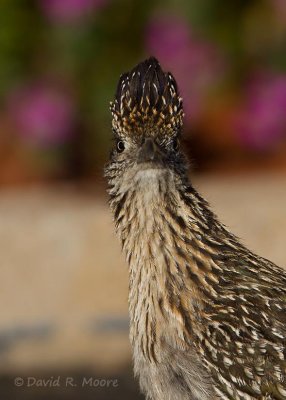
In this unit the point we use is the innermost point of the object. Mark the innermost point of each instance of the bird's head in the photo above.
(147, 117)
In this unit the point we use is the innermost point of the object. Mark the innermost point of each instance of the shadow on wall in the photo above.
(70, 385)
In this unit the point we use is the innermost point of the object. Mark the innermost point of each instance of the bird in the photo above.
(207, 315)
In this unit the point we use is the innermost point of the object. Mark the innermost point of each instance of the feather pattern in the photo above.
(208, 316)
(147, 98)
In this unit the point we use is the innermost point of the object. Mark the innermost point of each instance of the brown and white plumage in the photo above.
(207, 316)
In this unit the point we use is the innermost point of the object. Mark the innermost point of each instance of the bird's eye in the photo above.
(176, 144)
(120, 146)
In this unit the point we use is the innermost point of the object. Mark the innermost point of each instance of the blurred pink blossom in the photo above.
(280, 8)
(70, 10)
(196, 64)
(42, 114)
(260, 123)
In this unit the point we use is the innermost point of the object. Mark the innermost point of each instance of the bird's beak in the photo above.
(149, 151)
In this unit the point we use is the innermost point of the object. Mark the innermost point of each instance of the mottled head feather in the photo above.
(147, 100)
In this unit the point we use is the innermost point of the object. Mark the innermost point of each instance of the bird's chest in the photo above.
(168, 368)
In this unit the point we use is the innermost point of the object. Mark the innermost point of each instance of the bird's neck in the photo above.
(166, 232)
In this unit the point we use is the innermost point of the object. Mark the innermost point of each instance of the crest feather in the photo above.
(147, 98)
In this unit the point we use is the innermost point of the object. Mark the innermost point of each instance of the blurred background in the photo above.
(63, 281)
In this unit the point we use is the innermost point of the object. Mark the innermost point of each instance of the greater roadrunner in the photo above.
(207, 316)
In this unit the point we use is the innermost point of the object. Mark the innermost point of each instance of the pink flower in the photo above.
(168, 36)
(260, 123)
(195, 63)
(42, 114)
(280, 9)
(70, 10)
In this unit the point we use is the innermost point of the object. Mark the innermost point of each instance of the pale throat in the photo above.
(147, 229)
(143, 231)
(146, 202)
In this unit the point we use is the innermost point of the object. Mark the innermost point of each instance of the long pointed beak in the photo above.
(149, 151)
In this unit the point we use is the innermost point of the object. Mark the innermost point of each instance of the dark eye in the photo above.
(176, 144)
(120, 146)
